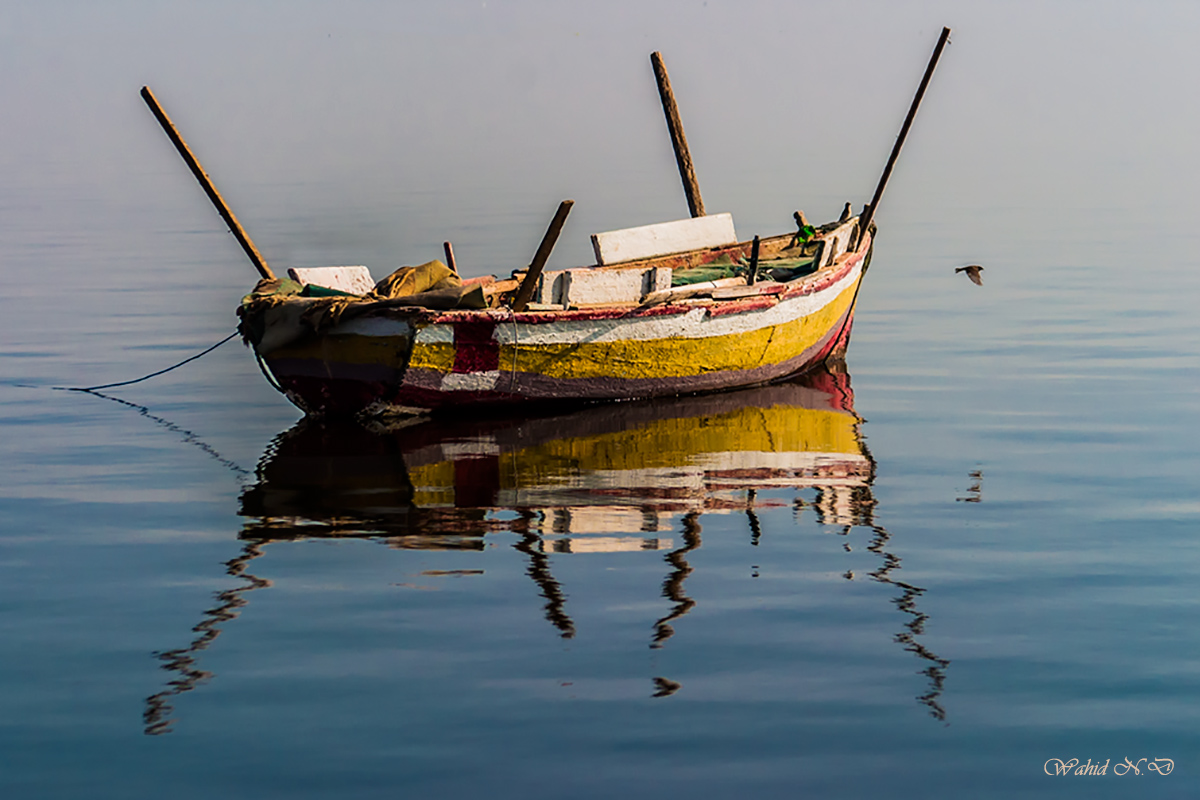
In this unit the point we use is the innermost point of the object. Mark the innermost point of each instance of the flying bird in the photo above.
(972, 271)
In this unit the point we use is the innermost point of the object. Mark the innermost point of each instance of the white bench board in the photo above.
(356, 280)
(665, 238)
(576, 287)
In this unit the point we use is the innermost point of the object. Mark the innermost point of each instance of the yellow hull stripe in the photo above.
(671, 357)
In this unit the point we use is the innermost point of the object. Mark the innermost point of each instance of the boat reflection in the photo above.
(612, 469)
(610, 478)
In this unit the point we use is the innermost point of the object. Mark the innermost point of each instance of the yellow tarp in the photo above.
(414, 280)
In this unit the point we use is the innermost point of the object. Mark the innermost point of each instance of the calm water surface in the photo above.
(973, 551)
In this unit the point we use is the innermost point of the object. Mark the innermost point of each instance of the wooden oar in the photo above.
(542, 256)
(865, 222)
(223, 209)
(683, 156)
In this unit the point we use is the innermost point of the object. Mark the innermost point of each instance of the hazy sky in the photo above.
(370, 125)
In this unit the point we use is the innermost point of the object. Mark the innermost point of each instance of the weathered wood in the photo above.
(683, 156)
(542, 256)
(664, 238)
(496, 288)
(223, 209)
(753, 276)
(450, 262)
(681, 292)
(912, 112)
(836, 242)
(738, 292)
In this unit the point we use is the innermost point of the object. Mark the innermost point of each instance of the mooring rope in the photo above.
(187, 360)
(188, 436)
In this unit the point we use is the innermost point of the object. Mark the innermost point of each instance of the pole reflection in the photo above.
(157, 716)
(602, 479)
(672, 588)
(539, 570)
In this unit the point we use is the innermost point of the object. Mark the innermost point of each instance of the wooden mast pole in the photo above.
(865, 222)
(683, 157)
(525, 291)
(223, 209)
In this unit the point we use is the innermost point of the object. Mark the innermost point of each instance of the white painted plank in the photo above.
(602, 286)
(356, 280)
(591, 286)
(550, 288)
(665, 238)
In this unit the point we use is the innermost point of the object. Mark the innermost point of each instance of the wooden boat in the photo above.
(380, 357)
(637, 324)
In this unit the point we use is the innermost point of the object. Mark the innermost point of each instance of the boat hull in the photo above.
(405, 361)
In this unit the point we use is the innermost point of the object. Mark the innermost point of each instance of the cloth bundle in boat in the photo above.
(430, 285)
(280, 311)
(415, 280)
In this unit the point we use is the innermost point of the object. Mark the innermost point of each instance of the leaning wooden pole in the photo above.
(223, 209)
(865, 222)
(683, 156)
(525, 291)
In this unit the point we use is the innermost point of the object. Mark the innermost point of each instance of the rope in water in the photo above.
(188, 436)
(187, 360)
